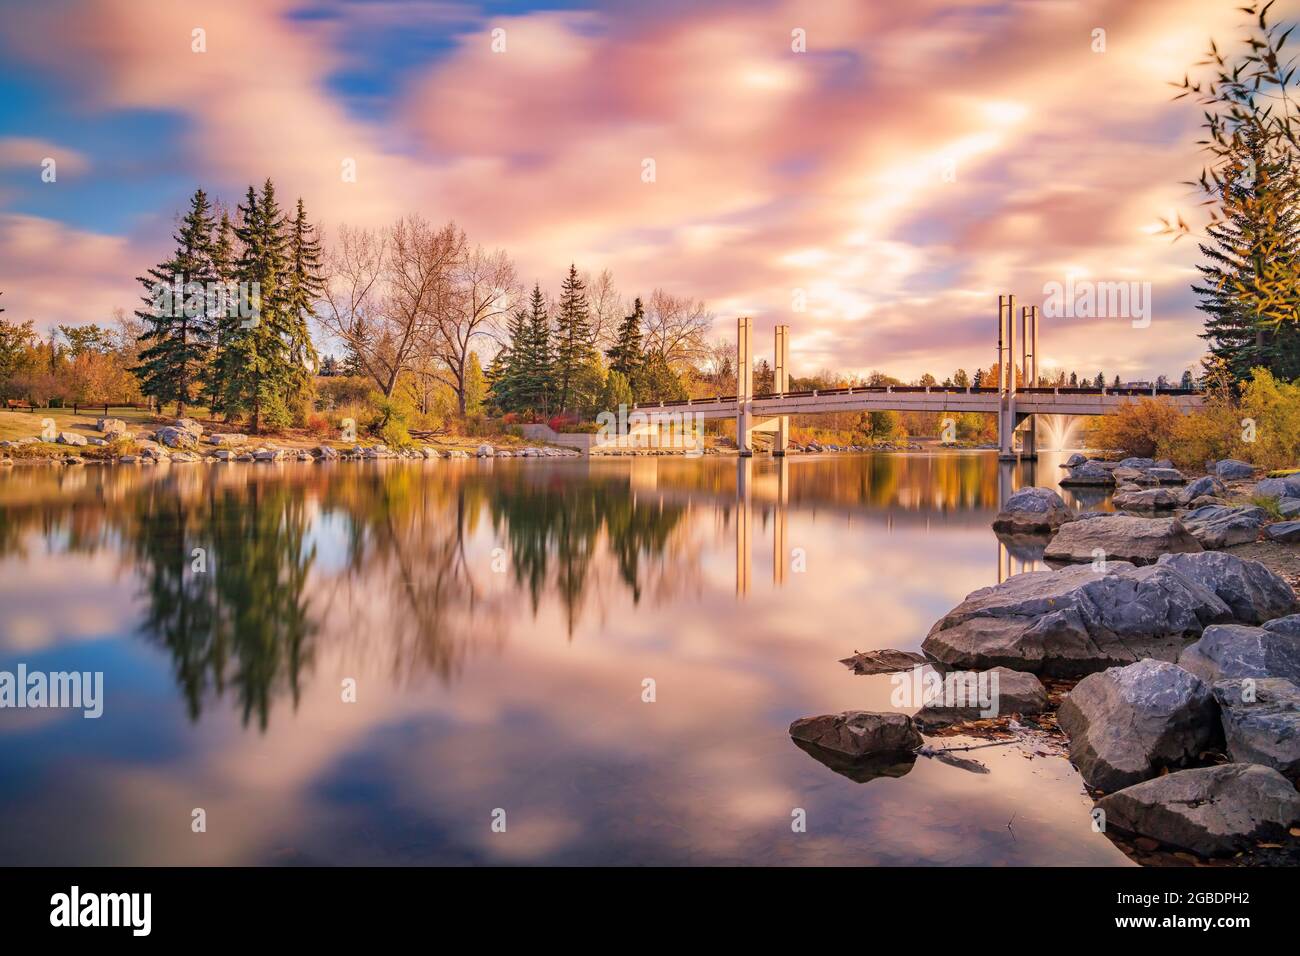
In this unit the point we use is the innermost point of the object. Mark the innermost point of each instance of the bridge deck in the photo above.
(917, 398)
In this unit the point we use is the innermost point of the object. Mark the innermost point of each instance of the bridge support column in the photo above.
(1029, 365)
(781, 385)
(744, 385)
(1007, 378)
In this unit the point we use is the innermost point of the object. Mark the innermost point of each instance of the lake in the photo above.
(512, 661)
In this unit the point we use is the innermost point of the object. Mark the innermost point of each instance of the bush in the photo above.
(1134, 429)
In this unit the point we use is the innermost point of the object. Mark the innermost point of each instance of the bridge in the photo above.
(1014, 403)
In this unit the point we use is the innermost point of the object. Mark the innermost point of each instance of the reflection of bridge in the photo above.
(1014, 403)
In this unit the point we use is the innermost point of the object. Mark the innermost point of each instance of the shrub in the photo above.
(1134, 429)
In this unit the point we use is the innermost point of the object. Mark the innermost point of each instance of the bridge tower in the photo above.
(781, 385)
(744, 385)
(1029, 367)
(1007, 378)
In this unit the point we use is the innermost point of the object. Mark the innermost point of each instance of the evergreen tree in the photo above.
(626, 355)
(256, 361)
(304, 287)
(537, 386)
(180, 324)
(223, 267)
(505, 373)
(573, 338)
(1099, 381)
(1187, 380)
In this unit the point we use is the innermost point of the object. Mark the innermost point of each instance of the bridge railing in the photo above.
(937, 389)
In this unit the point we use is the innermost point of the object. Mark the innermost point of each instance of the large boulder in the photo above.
(1289, 625)
(189, 425)
(1261, 722)
(1289, 507)
(1205, 485)
(1126, 724)
(1211, 810)
(111, 426)
(1286, 532)
(1074, 461)
(1288, 486)
(1088, 473)
(486, 451)
(1222, 526)
(1009, 692)
(1152, 499)
(1076, 620)
(226, 440)
(1238, 650)
(1164, 476)
(1032, 509)
(1231, 469)
(1253, 592)
(72, 438)
(1120, 538)
(174, 437)
(858, 733)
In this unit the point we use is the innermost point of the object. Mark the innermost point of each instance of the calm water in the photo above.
(499, 620)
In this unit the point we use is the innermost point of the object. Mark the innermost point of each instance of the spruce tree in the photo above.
(303, 289)
(573, 338)
(256, 367)
(537, 387)
(505, 376)
(626, 355)
(179, 314)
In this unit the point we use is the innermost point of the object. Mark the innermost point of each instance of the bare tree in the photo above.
(483, 289)
(676, 327)
(606, 308)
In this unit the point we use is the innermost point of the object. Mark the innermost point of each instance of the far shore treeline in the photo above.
(259, 321)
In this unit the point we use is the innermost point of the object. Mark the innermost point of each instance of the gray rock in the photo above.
(327, 452)
(1073, 461)
(174, 437)
(1288, 486)
(1221, 526)
(486, 451)
(1152, 499)
(1289, 507)
(1089, 473)
(1210, 810)
(1076, 620)
(1141, 464)
(1166, 476)
(1127, 723)
(72, 438)
(1239, 650)
(1120, 538)
(858, 733)
(1231, 468)
(1032, 509)
(1205, 485)
(111, 426)
(1287, 532)
(1261, 722)
(189, 425)
(184, 458)
(1253, 592)
(1289, 625)
(227, 440)
(268, 454)
(1015, 692)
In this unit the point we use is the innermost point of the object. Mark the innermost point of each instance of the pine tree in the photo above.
(223, 268)
(505, 375)
(537, 386)
(626, 355)
(256, 362)
(573, 338)
(1186, 383)
(179, 314)
(304, 288)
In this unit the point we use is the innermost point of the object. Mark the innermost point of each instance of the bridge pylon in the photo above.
(744, 385)
(1007, 378)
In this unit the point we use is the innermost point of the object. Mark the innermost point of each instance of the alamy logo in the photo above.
(925, 687)
(134, 910)
(74, 690)
(1098, 300)
(177, 299)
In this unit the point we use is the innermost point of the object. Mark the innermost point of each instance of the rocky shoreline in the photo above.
(1175, 664)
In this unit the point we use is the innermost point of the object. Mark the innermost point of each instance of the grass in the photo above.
(15, 425)
(1268, 503)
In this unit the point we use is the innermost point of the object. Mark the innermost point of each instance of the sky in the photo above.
(872, 174)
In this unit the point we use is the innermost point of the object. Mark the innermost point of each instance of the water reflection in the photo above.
(499, 620)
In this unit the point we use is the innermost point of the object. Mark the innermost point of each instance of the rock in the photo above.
(174, 437)
(885, 661)
(1231, 468)
(327, 453)
(111, 426)
(430, 453)
(72, 438)
(1288, 486)
(184, 458)
(1032, 509)
(97, 442)
(1127, 723)
(1287, 532)
(1076, 620)
(1289, 507)
(1261, 722)
(1166, 476)
(189, 425)
(858, 733)
(1121, 538)
(1127, 475)
(1221, 526)
(1074, 461)
(1153, 499)
(1141, 464)
(227, 440)
(268, 454)
(1253, 592)
(1228, 651)
(223, 454)
(457, 453)
(1206, 485)
(1212, 811)
(128, 459)
(485, 451)
(1013, 692)
(1289, 625)
(1089, 473)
